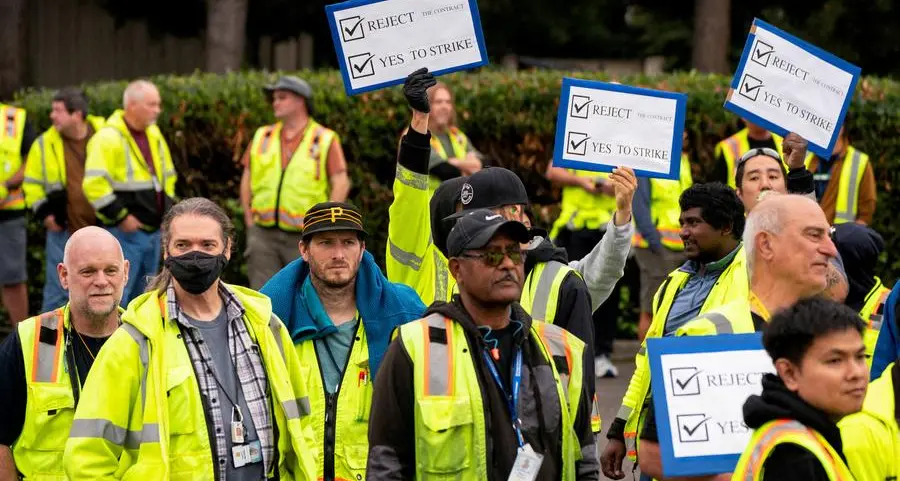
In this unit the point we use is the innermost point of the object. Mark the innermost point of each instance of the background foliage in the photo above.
(209, 120)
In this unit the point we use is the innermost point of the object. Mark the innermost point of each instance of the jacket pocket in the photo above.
(181, 400)
(446, 442)
(52, 406)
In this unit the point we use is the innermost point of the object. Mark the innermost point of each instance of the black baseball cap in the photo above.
(475, 229)
(332, 216)
(492, 187)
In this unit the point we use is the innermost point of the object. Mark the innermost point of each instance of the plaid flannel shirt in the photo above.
(251, 376)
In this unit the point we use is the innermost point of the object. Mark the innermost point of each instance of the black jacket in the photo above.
(392, 423)
(789, 461)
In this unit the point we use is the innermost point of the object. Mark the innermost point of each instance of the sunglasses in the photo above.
(494, 257)
(757, 152)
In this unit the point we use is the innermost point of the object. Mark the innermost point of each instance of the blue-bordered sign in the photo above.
(699, 387)
(787, 85)
(602, 125)
(380, 42)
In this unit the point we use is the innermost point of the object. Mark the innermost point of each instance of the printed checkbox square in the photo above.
(580, 106)
(750, 87)
(361, 65)
(692, 428)
(352, 28)
(762, 53)
(576, 143)
(685, 381)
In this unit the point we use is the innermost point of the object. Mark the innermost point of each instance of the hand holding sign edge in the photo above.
(625, 184)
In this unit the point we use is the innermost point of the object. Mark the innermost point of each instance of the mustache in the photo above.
(509, 276)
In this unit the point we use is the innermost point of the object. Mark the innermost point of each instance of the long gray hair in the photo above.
(198, 206)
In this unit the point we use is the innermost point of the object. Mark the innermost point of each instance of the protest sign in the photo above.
(699, 387)
(787, 85)
(601, 125)
(380, 42)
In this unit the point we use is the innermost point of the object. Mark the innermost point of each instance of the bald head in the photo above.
(142, 104)
(89, 239)
(95, 272)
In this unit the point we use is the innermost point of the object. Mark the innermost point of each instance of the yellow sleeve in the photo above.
(35, 177)
(305, 470)
(107, 410)
(867, 446)
(171, 173)
(103, 151)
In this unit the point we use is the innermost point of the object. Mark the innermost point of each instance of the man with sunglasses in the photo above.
(762, 169)
(493, 390)
(729, 150)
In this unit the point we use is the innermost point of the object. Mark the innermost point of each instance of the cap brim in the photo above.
(332, 228)
(516, 231)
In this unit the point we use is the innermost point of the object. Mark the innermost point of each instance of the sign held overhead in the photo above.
(379, 42)
(787, 85)
(600, 126)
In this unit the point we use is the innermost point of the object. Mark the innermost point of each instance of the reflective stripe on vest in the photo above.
(46, 355)
(872, 314)
(458, 141)
(541, 292)
(11, 136)
(769, 436)
(439, 357)
(854, 167)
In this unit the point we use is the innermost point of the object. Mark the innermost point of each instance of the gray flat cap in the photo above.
(291, 84)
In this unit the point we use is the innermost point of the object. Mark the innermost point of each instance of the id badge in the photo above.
(255, 451)
(240, 455)
(527, 465)
(237, 432)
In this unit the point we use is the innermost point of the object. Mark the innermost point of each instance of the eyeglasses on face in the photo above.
(494, 257)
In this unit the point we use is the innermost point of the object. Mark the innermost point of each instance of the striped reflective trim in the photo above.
(643, 350)
(38, 204)
(117, 435)
(441, 277)
(97, 173)
(132, 186)
(103, 201)
(32, 180)
(275, 327)
(144, 350)
(554, 338)
(46, 356)
(761, 447)
(540, 296)
(408, 259)
(296, 408)
(720, 322)
(438, 357)
(847, 211)
(411, 179)
(624, 412)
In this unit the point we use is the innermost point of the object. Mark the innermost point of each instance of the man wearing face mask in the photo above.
(340, 311)
(197, 383)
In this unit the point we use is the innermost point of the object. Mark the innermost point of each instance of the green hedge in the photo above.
(209, 120)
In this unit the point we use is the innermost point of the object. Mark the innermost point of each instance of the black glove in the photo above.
(415, 89)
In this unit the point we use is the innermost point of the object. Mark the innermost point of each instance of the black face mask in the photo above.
(195, 271)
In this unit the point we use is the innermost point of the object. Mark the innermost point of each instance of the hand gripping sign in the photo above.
(601, 125)
(379, 42)
(787, 85)
(699, 387)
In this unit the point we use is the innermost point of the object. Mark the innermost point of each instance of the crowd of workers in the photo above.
(474, 356)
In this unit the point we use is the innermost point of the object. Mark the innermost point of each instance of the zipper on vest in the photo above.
(278, 193)
(331, 401)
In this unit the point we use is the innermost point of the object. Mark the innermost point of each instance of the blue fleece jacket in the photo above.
(887, 349)
(383, 305)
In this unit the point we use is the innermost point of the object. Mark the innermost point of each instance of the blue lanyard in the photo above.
(512, 399)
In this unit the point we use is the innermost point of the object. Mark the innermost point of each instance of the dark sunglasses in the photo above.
(494, 257)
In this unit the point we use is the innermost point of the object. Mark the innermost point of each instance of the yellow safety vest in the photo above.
(281, 197)
(580, 209)
(872, 314)
(458, 141)
(50, 406)
(141, 417)
(852, 173)
(731, 286)
(665, 209)
(750, 466)
(354, 401)
(115, 165)
(12, 132)
(45, 169)
(451, 436)
(872, 437)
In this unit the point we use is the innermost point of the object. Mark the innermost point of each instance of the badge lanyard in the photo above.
(512, 399)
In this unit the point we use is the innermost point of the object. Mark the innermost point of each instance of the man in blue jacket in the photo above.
(340, 311)
(887, 348)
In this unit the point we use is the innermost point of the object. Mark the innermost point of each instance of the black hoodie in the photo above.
(859, 248)
(790, 462)
(392, 423)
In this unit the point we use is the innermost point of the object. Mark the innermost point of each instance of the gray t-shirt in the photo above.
(215, 335)
(333, 351)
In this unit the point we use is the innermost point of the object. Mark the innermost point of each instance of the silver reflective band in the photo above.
(144, 349)
(762, 446)
(408, 259)
(296, 408)
(721, 323)
(47, 352)
(275, 327)
(441, 277)
(542, 293)
(624, 413)
(106, 430)
(848, 214)
(438, 380)
(411, 179)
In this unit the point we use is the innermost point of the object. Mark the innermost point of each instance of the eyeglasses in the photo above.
(759, 151)
(494, 258)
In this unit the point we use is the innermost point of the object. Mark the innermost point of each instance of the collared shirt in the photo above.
(251, 374)
(690, 299)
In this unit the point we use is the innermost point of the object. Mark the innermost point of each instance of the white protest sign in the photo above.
(380, 42)
(700, 385)
(787, 85)
(600, 126)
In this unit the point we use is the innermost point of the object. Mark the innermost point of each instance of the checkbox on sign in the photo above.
(750, 87)
(692, 428)
(352, 28)
(361, 65)
(685, 381)
(762, 52)
(580, 106)
(576, 143)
